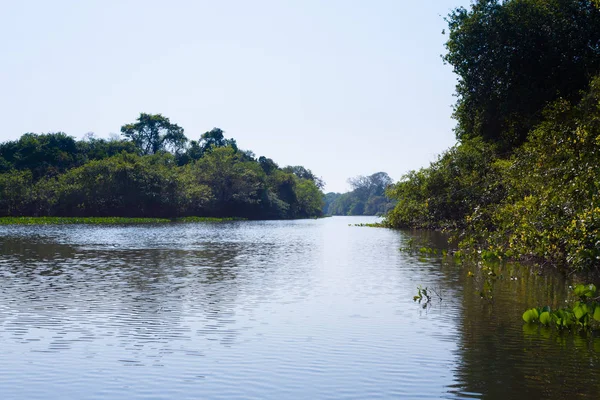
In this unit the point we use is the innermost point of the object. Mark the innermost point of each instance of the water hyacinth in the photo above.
(103, 220)
(584, 312)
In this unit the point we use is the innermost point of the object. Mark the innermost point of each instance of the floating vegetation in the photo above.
(371, 225)
(103, 220)
(206, 219)
(582, 313)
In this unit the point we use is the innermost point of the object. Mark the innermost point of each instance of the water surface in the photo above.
(311, 309)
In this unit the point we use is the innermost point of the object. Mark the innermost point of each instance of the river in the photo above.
(306, 309)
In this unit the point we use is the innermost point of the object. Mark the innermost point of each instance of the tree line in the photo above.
(367, 197)
(152, 171)
(522, 182)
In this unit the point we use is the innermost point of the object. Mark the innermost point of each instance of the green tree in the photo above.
(552, 207)
(153, 133)
(5, 166)
(215, 138)
(43, 154)
(267, 165)
(365, 187)
(125, 185)
(330, 199)
(98, 149)
(283, 184)
(53, 175)
(310, 199)
(442, 195)
(235, 184)
(304, 173)
(514, 57)
(15, 192)
(366, 198)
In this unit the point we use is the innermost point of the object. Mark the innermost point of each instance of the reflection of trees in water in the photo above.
(422, 238)
(504, 359)
(499, 358)
(30, 257)
(429, 268)
(136, 297)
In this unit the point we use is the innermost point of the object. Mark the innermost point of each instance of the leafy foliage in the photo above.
(582, 313)
(523, 181)
(540, 203)
(43, 155)
(450, 189)
(366, 198)
(155, 174)
(514, 57)
(552, 208)
(153, 133)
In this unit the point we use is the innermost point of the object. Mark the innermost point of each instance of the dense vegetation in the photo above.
(153, 172)
(366, 198)
(523, 180)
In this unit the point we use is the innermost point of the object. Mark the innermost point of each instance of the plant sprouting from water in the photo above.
(425, 294)
(582, 313)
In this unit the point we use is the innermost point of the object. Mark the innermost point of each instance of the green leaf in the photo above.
(579, 290)
(592, 290)
(585, 290)
(531, 315)
(580, 310)
(597, 313)
(545, 318)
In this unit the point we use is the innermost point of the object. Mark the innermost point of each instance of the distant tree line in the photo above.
(153, 171)
(366, 198)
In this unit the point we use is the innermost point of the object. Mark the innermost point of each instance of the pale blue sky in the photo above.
(342, 87)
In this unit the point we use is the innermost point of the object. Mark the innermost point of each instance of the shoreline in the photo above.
(5, 221)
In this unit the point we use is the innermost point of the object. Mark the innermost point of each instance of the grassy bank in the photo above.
(103, 220)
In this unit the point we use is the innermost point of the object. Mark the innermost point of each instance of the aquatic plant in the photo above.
(207, 219)
(103, 220)
(77, 220)
(424, 295)
(582, 313)
(371, 225)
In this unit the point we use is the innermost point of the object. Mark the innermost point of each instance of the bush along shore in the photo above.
(522, 182)
(153, 171)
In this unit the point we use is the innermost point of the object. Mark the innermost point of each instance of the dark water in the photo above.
(310, 309)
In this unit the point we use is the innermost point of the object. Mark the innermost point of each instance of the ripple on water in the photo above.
(275, 309)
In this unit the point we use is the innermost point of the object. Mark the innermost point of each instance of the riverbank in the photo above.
(104, 220)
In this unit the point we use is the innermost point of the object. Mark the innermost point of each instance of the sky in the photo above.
(342, 87)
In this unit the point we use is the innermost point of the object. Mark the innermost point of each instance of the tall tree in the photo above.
(513, 57)
(366, 198)
(304, 173)
(215, 138)
(153, 133)
(44, 154)
(372, 185)
(235, 184)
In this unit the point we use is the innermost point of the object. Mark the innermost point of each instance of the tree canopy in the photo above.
(522, 182)
(515, 57)
(153, 133)
(366, 198)
(154, 172)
